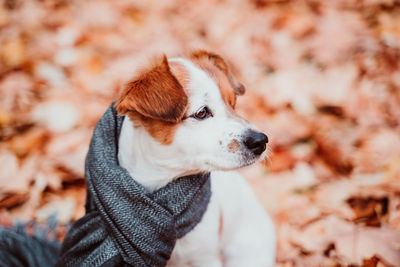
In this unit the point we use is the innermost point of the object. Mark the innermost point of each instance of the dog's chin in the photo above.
(245, 160)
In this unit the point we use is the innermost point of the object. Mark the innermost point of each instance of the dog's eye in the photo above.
(202, 113)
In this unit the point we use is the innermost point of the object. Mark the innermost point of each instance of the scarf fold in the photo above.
(125, 224)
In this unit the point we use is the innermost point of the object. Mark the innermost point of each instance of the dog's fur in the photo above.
(162, 140)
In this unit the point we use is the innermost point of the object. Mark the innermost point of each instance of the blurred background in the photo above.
(322, 79)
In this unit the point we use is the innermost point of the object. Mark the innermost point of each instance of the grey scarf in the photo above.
(124, 223)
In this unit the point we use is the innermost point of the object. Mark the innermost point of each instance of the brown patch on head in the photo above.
(156, 100)
(234, 145)
(228, 95)
(220, 64)
(181, 73)
(226, 90)
(161, 131)
(155, 93)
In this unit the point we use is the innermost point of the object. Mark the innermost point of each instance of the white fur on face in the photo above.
(215, 143)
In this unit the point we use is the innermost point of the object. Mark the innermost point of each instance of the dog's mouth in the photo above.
(243, 159)
(250, 158)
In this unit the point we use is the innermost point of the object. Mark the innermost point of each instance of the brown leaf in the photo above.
(13, 53)
(336, 142)
(13, 200)
(281, 159)
(29, 142)
(371, 262)
(4, 118)
(371, 211)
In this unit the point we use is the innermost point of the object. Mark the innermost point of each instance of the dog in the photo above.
(181, 120)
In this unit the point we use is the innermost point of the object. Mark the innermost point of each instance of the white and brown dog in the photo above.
(181, 121)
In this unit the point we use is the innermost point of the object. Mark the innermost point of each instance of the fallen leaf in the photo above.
(13, 52)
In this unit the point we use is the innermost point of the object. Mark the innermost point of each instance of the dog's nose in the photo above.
(256, 142)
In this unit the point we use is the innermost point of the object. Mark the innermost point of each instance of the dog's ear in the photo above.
(155, 93)
(221, 64)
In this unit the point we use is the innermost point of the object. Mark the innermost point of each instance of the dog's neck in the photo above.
(147, 161)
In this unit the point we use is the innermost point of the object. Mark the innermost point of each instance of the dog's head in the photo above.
(186, 106)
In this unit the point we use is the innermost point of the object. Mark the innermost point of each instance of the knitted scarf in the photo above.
(125, 224)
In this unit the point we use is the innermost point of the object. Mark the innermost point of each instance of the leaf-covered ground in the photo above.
(322, 78)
